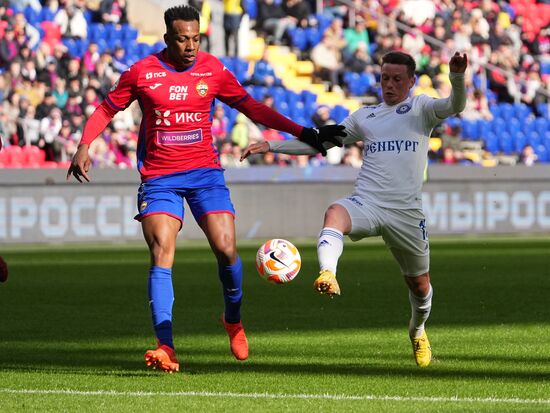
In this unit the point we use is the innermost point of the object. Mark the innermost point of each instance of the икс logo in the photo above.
(162, 117)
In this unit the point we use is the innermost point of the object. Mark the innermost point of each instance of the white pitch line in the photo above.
(455, 399)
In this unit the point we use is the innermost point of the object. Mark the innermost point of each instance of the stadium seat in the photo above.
(308, 97)
(506, 144)
(483, 127)
(47, 15)
(506, 111)
(292, 98)
(339, 113)
(498, 125)
(491, 143)
(519, 141)
(96, 31)
(314, 36)
(32, 16)
(129, 33)
(495, 110)
(521, 111)
(541, 126)
(297, 110)
(513, 126)
(14, 156)
(469, 129)
(278, 93)
(534, 138)
(33, 155)
(298, 38)
(542, 153)
(251, 8)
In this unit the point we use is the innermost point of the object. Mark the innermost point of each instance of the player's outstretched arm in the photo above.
(99, 120)
(457, 101)
(80, 164)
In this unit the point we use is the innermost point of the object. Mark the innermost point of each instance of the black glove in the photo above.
(315, 137)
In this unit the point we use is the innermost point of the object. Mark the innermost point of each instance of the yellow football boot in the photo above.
(326, 283)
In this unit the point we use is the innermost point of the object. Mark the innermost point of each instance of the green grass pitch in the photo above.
(74, 324)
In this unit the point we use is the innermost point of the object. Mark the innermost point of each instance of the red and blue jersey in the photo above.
(175, 132)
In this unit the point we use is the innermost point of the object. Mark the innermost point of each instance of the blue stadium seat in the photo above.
(297, 110)
(521, 111)
(513, 126)
(259, 92)
(483, 127)
(282, 107)
(278, 93)
(129, 33)
(292, 98)
(519, 140)
(46, 15)
(251, 8)
(506, 144)
(158, 46)
(498, 125)
(241, 69)
(314, 36)
(542, 109)
(495, 110)
(541, 126)
(298, 38)
(339, 113)
(96, 31)
(542, 153)
(469, 129)
(323, 21)
(308, 97)
(143, 49)
(534, 138)
(32, 16)
(506, 111)
(491, 143)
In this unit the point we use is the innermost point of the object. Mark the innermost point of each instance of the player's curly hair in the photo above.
(400, 58)
(185, 13)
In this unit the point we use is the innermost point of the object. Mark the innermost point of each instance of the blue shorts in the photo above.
(204, 190)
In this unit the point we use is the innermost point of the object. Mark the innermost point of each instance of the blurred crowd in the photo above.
(53, 74)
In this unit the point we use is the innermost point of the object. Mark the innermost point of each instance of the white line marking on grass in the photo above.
(455, 399)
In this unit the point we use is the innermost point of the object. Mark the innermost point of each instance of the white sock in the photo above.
(420, 309)
(329, 248)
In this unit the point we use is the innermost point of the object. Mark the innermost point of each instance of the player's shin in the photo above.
(329, 248)
(420, 309)
(161, 300)
(231, 277)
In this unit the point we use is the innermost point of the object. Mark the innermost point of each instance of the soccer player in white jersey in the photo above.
(387, 199)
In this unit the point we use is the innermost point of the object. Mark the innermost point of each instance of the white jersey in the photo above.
(395, 150)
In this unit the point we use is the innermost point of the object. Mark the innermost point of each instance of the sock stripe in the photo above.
(331, 233)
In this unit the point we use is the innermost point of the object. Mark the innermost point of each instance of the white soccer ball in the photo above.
(278, 261)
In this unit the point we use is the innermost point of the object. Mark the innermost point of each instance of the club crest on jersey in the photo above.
(202, 88)
(402, 109)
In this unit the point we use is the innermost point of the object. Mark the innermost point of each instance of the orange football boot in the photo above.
(163, 358)
(237, 339)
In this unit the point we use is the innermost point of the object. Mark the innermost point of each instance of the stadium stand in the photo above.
(508, 44)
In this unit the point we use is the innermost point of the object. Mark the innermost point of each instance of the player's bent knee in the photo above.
(336, 216)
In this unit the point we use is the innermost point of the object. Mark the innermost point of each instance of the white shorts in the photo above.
(403, 230)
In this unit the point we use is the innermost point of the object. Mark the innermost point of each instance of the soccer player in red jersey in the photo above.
(176, 89)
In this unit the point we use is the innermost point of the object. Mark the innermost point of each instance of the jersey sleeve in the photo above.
(427, 110)
(124, 91)
(354, 134)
